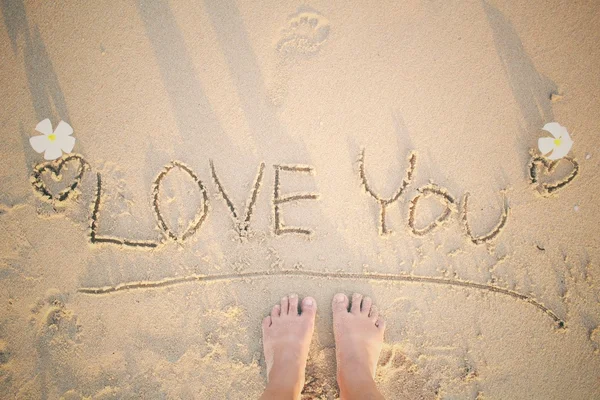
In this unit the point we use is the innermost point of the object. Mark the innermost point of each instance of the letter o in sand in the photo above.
(442, 195)
(200, 215)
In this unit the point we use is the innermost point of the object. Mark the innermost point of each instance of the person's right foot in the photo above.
(358, 340)
(287, 333)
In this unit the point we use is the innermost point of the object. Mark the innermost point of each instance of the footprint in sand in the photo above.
(53, 321)
(57, 337)
(72, 395)
(595, 339)
(5, 368)
(306, 32)
(398, 377)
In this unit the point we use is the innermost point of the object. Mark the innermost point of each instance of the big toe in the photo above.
(340, 304)
(309, 307)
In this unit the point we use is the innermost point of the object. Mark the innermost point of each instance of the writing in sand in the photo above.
(537, 166)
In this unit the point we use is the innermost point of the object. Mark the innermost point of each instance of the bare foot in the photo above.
(358, 341)
(286, 340)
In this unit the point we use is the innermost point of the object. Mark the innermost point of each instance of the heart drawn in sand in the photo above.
(548, 168)
(53, 169)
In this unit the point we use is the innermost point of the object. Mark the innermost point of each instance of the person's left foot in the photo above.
(287, 333)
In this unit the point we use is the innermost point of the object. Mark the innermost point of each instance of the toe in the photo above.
(374, 314)
(293, 300)
(266, 322)
(340, 304)
(380, 324)
(285, 305)
(276, 311)
(356, 300)
(309, 306)
(365, 308)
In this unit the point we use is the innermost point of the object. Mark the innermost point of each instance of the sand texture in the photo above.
(231, 152)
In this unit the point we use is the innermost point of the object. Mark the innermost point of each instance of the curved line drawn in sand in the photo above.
(241, 226)
(306, 32)
(547, 189)
(424, 192)
(95, 238)
(318, 274)
(200, 216)
(278, 199)
(55, 167)
(495, 231)
(383, 203)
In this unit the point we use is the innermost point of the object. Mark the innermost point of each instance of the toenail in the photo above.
(293, 296)
(339, 297)
(308, 302)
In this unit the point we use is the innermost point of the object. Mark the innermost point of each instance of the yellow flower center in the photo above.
(557, 142)
(52, 137)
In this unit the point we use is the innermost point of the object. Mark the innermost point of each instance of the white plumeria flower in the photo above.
(559, 145)
(53, 143)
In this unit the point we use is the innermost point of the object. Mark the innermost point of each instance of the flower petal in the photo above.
(561, 150)
(39, 143)
(44, 127)
(52, 152)
(66, 143)
(63, 129)
(556, 130)
(546, 145)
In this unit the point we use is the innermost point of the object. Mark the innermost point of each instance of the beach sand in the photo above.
(230, 153)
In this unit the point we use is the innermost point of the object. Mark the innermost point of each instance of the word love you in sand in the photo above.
(53, 169)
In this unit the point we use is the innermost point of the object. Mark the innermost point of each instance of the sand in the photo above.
(229, 153)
